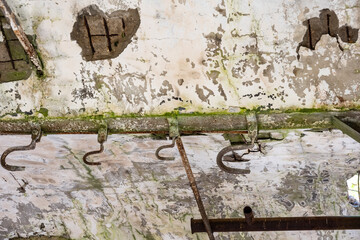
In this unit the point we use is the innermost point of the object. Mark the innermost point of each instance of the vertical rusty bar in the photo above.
(194, 188)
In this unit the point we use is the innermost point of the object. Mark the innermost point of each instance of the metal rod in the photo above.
(186, 124)
(351, 128)
(190, 175)
(277, 224)
(21, 36)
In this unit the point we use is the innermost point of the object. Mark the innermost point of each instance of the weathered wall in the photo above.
(199, 55)
(132, 195)
(195, 56)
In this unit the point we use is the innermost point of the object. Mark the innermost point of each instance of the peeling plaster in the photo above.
(254, 66)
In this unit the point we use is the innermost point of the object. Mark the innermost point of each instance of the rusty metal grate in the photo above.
(104, 35)
(14, 62)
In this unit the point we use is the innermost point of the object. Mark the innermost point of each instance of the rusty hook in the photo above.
(102, 136)
(222, 166)
(35, 137)
(163, 147)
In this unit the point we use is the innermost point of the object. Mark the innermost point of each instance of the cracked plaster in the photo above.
(174, 55)
(190, 55)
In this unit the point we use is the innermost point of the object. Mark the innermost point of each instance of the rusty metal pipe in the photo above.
(186, 124)
(277, 224)
(249, 215)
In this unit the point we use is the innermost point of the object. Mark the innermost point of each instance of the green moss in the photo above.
(91, 179)
(235, 214)
(105, 232)
(174, 114)
(182, 218)
(17, 51)
(41, 75)
(16, 75)
(147, 235)
(44, 111)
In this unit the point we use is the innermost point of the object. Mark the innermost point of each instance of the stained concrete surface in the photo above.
(132, 195)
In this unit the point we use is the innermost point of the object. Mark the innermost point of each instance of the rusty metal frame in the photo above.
(225, 123)
(249, 223)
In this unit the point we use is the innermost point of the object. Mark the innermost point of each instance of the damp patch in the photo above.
(102, 35)
(14, 62)
(326, 23)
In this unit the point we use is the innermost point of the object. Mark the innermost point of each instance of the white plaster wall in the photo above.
(255, 62)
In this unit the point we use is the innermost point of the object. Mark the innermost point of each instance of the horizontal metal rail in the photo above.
(187, 124)
(277, 224)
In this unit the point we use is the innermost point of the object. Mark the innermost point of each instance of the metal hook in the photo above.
(251, 119)
(102, 136)
(35, 137)
(163, 147)
(222, 166)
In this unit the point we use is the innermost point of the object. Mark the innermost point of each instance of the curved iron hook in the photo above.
(222, 166)
(35, 137)
(163, 147)
(102, 136)
(92, 153)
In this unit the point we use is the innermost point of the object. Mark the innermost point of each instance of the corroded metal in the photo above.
(35, 137)
(173, 127)
(249, 215)
(102, 137)
(278, 224)
(20, 34)
(252, 126)
(251, 224)
(349, 127)
(194, 188)
(225, 123)
(164, 147)
(221, 154)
